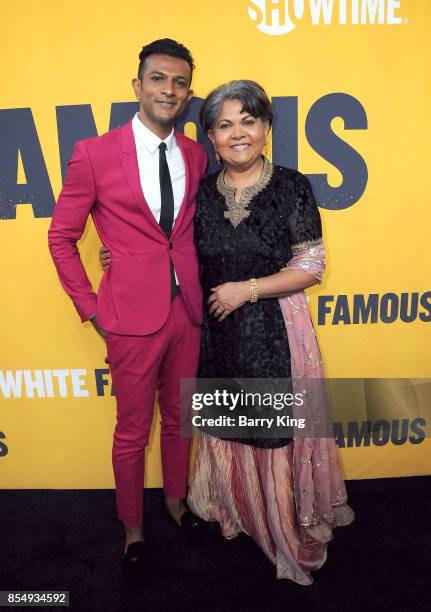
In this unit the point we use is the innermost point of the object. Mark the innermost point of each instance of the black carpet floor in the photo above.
(71, 540)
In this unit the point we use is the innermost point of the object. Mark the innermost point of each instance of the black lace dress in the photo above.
(250, 239)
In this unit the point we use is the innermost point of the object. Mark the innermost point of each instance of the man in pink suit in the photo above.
(139, 184)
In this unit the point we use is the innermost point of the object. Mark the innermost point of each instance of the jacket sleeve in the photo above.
(67, 226)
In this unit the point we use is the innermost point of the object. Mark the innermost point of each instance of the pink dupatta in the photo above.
(318, 483)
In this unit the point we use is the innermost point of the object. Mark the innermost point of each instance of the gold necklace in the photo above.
(238, 211)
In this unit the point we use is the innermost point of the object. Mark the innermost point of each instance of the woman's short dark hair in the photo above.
(164, 46)
(251, 95)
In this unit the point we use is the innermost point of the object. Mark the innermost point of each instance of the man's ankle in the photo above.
(176, 507)
(133, 534)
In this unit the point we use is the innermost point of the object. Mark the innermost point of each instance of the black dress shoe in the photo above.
(135, 565)
(192, 527)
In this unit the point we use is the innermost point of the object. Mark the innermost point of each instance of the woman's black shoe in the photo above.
(191, 526)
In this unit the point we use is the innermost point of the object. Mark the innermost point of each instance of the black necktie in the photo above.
(167, 206)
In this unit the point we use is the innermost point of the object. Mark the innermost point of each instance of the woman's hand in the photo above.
(104, 257)
(228, 297)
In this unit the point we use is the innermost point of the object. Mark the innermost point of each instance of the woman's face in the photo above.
(238, 137)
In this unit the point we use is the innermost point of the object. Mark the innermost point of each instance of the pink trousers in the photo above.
(139, 366)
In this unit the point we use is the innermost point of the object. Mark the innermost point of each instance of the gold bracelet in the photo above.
(254, 290)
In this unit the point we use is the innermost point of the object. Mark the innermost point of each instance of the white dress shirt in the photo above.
(147, 149)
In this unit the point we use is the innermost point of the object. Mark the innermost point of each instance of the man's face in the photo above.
(164, 91)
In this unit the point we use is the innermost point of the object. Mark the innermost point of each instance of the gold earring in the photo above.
(217, 156)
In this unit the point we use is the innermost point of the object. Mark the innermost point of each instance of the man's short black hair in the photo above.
(165, 46)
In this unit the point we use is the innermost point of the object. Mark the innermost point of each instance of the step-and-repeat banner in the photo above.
(350, 84)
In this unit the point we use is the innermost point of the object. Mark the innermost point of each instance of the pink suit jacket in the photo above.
(134, 294)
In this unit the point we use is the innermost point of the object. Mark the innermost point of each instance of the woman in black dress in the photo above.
(259, 239)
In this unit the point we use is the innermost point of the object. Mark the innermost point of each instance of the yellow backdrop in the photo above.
(55, 430)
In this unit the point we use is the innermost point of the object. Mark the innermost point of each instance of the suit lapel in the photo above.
(129, 162)
(184, 148)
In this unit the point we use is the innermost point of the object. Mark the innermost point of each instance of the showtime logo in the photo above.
(275, 17)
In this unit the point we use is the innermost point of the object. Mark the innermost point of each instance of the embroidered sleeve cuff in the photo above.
(300, 247)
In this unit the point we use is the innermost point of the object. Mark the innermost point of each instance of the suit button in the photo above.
(171, 246)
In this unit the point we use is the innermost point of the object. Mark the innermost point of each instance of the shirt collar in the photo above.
(150, 140)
